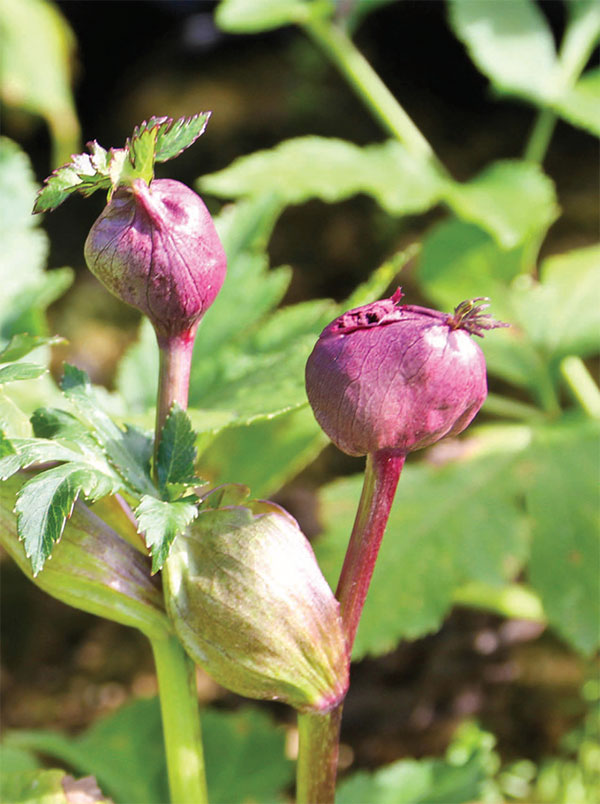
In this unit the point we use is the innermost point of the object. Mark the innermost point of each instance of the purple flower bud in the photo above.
(400, 377)
(155, 247)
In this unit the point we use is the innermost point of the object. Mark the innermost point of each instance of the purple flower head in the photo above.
(388, 376)
(156, 248)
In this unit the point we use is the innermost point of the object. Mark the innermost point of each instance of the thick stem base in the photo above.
(181, 722)
(318, 750)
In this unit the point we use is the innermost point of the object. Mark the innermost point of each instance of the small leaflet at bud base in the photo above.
(398, 377)
(249, 603)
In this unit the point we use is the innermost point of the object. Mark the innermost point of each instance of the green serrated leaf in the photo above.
(332, 169)
(513, 200)
(22, 344)
(141, 148)
(46, 501)
(565, 555)
(173, 137)
(459, 778)
(158, 139)
(28, 451)
(78, 175)
(160, 522)
(53, 423)
(176, 451)
(78, 390)
(21, 371)
(135, 771)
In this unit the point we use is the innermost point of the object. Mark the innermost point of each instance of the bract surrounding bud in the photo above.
(397, 377)
(92, 568)
(250, 605)
(156, 248)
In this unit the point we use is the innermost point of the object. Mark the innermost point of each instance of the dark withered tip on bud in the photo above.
(392, 376)
(156, 248)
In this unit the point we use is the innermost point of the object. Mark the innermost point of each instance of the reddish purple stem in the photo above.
(382, 473)
(174, 376)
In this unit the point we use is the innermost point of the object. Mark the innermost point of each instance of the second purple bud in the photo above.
(388, 376)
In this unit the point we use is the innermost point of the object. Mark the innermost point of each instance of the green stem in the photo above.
(541, 134)
(581, 384)
(318, 750)
(368, 85)
(181, 722)
(579, 41)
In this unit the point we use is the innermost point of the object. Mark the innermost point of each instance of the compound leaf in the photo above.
(160, 522)
(46, 501)
(78, 390)
(174, 137)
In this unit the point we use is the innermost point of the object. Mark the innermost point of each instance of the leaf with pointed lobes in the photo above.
(249, 603)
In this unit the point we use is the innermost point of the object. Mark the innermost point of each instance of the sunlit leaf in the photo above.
(565, 555)
(22, 344)
(332, 170)
(160, 522)
(45, 503)
(176, 452)
(514, 50)
(236, 744)
(21, 371)
(514, 201)
(253, 16)
(78, 390)
(580, 105)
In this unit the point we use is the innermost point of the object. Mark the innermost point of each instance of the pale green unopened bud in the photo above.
(249, 603)
(91, 568)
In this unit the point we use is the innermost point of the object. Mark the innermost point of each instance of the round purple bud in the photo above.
(156, 248)
(398, 377)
